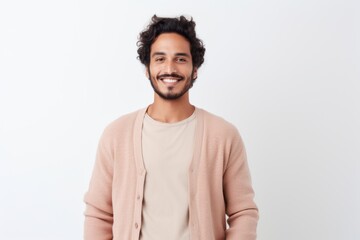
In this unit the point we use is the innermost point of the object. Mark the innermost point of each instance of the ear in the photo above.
(195, 73)
(147, 72)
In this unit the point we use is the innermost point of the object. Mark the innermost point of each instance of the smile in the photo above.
(169, 80)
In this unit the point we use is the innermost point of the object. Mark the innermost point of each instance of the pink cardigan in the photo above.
(219, 183)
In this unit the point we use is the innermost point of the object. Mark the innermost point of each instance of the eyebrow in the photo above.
(176, 54)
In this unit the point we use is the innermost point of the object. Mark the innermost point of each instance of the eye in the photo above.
(159, 59)
(181, 60)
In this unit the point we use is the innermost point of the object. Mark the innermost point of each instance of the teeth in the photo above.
(167, 80)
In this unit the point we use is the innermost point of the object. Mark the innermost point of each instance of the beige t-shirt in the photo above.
(167, 150)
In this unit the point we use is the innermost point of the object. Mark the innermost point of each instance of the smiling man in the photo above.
(171, 67)
(170, 171)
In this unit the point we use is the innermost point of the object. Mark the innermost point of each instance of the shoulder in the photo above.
(218, 125)
(123, 124)
(220, 135)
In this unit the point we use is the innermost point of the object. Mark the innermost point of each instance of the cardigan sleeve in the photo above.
(98, 199)
(241, 209)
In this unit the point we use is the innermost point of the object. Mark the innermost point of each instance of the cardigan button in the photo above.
(136, 225)
(138, 197)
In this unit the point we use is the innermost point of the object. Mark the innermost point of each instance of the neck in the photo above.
(170, 111)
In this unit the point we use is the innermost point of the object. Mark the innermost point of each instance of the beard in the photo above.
(171, 95)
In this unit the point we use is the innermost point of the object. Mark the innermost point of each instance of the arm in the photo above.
(98, 212)
(238, 193)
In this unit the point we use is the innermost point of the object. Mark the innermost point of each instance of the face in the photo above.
(171, 71)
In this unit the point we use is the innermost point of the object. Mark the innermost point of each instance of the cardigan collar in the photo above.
(140, 167)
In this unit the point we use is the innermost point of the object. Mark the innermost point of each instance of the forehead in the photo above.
(170, 43)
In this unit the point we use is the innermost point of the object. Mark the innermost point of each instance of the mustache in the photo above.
(172, 75)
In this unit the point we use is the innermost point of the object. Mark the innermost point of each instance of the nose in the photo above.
(170, 67)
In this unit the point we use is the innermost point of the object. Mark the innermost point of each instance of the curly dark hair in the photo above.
(180, 25)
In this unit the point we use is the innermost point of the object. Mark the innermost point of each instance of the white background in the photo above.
(286, 73)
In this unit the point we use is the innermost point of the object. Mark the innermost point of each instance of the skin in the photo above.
(170, 59)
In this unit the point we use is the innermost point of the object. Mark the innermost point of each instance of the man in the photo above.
(170, 171)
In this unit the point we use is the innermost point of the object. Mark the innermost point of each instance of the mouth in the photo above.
(170, 81)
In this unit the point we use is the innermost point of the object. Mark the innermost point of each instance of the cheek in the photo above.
(188, 71)
(154, 71)
(151, 72)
